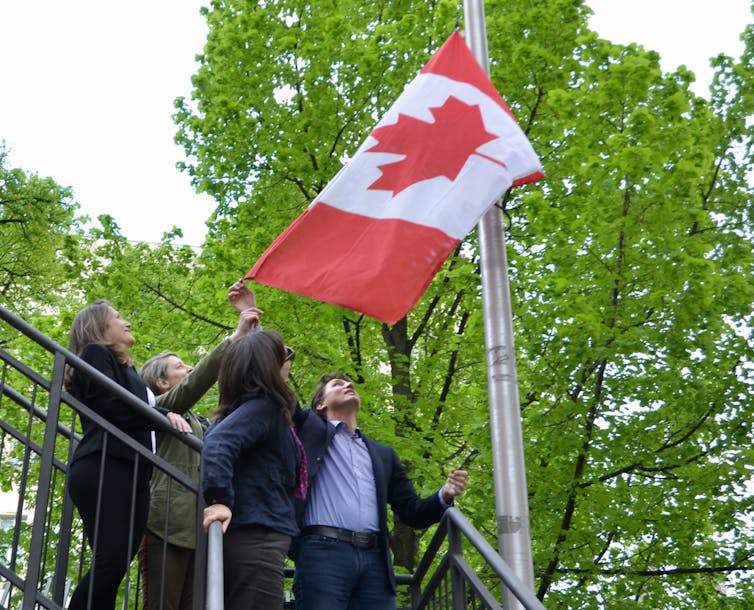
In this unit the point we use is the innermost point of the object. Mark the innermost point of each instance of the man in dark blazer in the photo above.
(342, 556)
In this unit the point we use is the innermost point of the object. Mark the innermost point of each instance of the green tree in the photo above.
(631, 310)
(38, 225)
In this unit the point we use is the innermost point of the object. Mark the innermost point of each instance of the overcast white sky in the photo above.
(87, 90)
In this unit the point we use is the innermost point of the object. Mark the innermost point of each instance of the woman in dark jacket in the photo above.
(106, 475)
(252, 467)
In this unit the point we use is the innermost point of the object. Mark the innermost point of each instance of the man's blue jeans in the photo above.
(334, 575)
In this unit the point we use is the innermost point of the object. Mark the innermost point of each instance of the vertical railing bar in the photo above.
(43, 483)
(458, 584)
(165, 525)
(15, 546)
(131, 522)
(48, 523)
(215, 587)
(100, 482)
(201, 568)
(414, 592)
(23, 484)
(2, 385)
(60, 583)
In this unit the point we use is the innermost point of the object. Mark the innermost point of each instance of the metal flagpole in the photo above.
(511, 503)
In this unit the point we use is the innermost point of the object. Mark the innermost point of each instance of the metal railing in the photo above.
(215, 589)
(453, 584)
(43, 549)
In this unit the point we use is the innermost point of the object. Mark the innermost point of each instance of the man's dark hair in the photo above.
(319, 391)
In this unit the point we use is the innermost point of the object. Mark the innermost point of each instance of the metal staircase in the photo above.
(43, 550)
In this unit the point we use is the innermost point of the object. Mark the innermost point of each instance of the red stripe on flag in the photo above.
(375, 266)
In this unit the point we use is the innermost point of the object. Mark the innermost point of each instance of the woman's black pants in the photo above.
(114, 521)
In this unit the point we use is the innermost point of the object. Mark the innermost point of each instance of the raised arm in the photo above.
(186, 393)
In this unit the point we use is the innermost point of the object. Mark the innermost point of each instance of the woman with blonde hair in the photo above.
(108, 481)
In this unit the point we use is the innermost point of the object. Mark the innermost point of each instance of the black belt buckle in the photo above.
(362, 540)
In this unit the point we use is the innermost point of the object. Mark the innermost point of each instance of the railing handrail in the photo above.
(454, 516)
(215, 588)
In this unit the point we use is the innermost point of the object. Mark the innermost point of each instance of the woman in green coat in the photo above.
(170, 536)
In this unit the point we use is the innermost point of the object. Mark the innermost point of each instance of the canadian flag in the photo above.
(379, 231)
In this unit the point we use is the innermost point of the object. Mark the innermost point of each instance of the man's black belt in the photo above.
(361, 540)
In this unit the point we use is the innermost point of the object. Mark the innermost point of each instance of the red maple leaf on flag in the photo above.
(433, 149)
